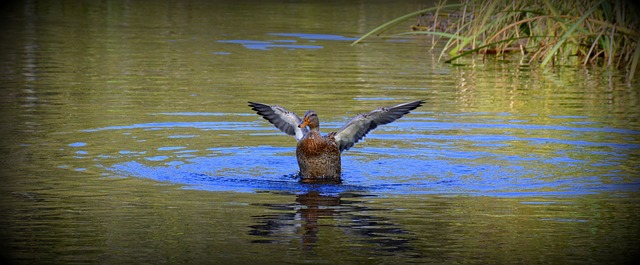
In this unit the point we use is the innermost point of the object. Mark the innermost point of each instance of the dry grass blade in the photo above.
(386, 26)
(602, 32)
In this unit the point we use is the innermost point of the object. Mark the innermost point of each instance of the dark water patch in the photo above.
(300, 223)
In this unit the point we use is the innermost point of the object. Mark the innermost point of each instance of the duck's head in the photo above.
(310, 119)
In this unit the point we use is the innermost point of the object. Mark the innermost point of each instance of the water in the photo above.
(127, 138)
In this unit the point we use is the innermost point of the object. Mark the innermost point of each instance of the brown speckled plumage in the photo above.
(319, 156)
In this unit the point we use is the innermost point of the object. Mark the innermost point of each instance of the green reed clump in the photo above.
(546, 32)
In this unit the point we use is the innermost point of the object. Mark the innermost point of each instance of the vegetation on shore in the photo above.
(545, 32)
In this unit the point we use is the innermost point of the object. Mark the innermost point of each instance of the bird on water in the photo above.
(319, 156)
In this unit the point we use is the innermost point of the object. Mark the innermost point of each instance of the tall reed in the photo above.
(545, 32)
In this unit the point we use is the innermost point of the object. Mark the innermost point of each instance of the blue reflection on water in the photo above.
(78, 144)
(288, 43)
(309, 36)
(267, 45)
(189, 175)
(487, 159)
(267, 168)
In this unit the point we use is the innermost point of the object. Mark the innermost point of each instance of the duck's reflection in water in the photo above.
(313, 212)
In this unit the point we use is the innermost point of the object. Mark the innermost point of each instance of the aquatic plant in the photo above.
(544, 32)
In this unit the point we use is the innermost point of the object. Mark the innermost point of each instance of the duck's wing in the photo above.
(361, 124)
(283, 119)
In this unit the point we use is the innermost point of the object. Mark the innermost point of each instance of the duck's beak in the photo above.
(304, 123)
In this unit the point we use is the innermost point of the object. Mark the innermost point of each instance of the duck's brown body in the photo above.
(318, 158)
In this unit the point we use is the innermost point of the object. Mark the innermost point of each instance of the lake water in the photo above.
(126, 138)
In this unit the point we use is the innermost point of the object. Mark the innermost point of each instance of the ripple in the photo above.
(173, 125)
(412, 156)
(268, 45)
(310, 36)
(274, 169)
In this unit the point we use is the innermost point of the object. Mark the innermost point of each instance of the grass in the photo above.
(544, 32)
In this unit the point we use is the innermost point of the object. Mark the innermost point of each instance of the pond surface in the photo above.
(127, 139)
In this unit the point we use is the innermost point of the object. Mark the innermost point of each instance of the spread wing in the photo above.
(283, 119)
(361, 124)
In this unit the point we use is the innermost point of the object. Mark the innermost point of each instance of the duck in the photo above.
(319, 155)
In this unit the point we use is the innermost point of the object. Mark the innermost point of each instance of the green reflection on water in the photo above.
(157, 77)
